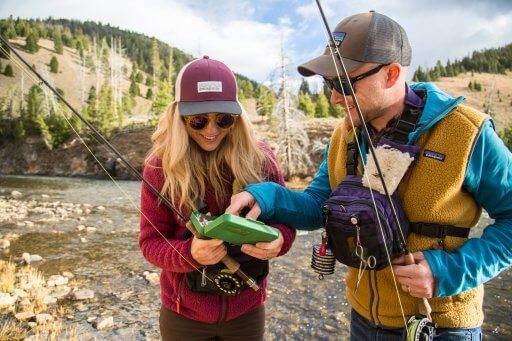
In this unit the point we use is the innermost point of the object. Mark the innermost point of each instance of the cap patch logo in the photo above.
(339, 37)
(210, 86)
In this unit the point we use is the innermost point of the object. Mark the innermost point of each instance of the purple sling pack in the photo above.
(352, 221)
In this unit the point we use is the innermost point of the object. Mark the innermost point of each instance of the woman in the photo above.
(203, 151)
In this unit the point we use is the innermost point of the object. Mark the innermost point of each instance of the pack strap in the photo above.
(438, 230)
(352, 156)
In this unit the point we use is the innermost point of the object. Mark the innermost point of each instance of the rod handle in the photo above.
(424, 306)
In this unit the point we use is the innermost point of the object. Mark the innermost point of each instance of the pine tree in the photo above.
(304, 87)
(337, 111)
(58, 46)
(306, 105)
(265, 100)
(162, 99)
(4, 51)
(322, 106)
(149, 94)
(10, 31)
(155, 61)
(54, 65)
(8, 71)
(31, 42)
(134, 88)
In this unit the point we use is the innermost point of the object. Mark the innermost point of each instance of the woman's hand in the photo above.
(207, 251)
(264, 251)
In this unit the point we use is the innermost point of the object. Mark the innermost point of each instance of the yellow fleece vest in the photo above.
(431, 193)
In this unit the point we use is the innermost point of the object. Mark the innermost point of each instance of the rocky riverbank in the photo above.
(80, 237)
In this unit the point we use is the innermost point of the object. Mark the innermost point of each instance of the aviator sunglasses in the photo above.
(342, 86)
(201, 121)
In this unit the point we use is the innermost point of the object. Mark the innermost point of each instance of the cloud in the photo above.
(223, 30)
(437, 31)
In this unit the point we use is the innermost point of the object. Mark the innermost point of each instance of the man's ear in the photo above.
(394, 70)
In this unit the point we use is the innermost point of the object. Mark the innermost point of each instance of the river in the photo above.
(108, 261)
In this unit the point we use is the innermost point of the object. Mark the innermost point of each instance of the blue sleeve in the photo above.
(489, 180)
(299, 209)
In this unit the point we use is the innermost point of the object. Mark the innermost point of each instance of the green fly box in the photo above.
(233, 229)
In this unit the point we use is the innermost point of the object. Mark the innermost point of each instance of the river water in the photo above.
(299, 306)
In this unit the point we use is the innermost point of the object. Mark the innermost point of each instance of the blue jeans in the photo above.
(362, 330)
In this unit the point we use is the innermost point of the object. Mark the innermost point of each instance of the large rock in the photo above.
(56, 280)
(105, 323)
(24, 316)
(153, 278)
(84, 294)
(4, 244)
(61, 292)
(43, 318)
(16, 194)
(7, 300)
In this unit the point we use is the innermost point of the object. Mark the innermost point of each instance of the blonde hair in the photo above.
(187, 168)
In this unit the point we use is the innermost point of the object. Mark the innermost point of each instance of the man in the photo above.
(462, 167)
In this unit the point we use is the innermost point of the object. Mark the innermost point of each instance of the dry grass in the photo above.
(11, 330)
(7, 276)
(32, 281)
(492, 84)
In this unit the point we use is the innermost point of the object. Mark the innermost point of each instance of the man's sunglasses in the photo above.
(342, 86)
(199, 122)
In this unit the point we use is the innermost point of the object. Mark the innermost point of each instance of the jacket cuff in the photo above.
(435, 261)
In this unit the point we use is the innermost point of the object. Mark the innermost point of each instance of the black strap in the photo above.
(404, 125)
(352, 156)
(438, 230)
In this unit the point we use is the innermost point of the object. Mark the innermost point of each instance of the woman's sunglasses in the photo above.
(342, 86)
(199, 122)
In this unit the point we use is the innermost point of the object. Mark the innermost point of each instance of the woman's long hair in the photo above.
(187, 168)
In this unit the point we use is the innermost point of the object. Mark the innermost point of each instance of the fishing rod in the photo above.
(232, 265)
(409, 259)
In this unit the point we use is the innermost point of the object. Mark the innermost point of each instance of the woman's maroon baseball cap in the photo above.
(206, 85)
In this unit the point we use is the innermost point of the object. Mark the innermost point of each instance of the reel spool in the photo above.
(227, 282)
(323, 261)
(419, 328)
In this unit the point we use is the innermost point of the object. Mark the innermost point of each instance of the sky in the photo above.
(248, 35)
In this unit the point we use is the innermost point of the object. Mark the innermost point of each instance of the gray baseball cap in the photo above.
(362, 38)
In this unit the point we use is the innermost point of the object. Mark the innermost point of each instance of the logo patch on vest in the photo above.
(210, 86)
(434, 155)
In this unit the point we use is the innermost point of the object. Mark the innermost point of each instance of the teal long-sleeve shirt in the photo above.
(488, 178)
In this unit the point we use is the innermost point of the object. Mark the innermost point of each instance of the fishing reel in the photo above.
(227, 282)
(419, 328)
(323, 261)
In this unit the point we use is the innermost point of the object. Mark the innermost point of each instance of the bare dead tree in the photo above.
(292, 140)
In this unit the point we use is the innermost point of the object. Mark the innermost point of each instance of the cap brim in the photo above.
(324, 66)
(194, 108)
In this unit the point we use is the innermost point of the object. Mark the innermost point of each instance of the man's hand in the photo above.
(207, 251)
(264, 251)
(242, 200)
(416, 279)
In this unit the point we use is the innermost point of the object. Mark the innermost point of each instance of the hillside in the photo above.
(75, 80)
(496, 94)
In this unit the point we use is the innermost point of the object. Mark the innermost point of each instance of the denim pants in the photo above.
(362, 330)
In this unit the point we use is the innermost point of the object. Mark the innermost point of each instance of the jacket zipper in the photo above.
(178, 297)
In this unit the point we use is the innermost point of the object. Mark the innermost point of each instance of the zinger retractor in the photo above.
(323, 261)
